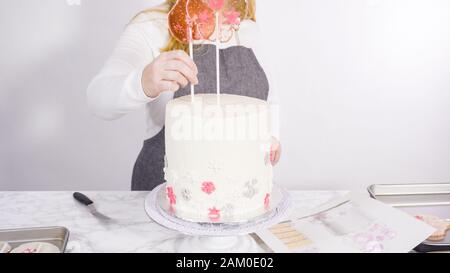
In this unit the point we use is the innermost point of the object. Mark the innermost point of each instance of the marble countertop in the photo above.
(133, 231)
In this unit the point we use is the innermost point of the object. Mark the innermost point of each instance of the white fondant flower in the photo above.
(186, 194)
(214, 167)
(228, 211)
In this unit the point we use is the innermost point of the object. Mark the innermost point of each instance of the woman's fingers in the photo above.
(181, 67)
(175, 76)
(169, 86)
(170, 71)
(181, 56)
(276, 157)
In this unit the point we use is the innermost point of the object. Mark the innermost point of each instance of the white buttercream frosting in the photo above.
(216, 157)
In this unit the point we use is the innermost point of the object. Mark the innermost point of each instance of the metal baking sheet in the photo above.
(418, 199)
(58, 236)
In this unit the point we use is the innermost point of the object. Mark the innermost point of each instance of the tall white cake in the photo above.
(217, 165)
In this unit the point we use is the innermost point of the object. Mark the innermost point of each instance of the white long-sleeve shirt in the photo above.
(117, 89)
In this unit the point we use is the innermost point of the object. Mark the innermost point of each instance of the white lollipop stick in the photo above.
(191, 53)
(218, 57)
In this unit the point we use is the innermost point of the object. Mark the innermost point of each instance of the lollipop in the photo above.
(228, 15)
(193, 20)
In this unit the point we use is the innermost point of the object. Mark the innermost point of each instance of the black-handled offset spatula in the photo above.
(83, 199)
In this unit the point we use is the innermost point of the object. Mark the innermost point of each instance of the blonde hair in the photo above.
(174, 44)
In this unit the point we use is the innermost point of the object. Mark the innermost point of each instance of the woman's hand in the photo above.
(170, 71)
(275, 151)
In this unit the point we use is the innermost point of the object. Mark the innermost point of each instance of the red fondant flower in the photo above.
(216, 4)
(208, 187)
(232, 17)
(172, 197)
(214, 214)
(267, 201)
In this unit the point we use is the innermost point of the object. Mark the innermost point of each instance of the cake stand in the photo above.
(217, 237)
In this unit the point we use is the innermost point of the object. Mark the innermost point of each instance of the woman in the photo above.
(149, 67)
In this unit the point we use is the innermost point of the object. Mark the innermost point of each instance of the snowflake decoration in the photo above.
(214, 167)
(250, 189)
(228, 211)
(186, 194)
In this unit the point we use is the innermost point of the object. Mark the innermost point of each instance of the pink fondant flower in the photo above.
(208, 187)
(267, 201)
(216, 4)
(214, 214)
(232, 17)
(172, 197)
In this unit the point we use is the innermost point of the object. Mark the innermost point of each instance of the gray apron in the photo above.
(240, 74)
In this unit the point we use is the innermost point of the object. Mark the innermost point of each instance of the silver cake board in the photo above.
(217, 237)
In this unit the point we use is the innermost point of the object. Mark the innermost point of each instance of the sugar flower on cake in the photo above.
(228, 211)
(208, 187)
(214, 214)
(214, 166)
(171, 196)
(186, 194)
(249, 189)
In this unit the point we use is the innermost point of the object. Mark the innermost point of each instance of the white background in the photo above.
(364, 86)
